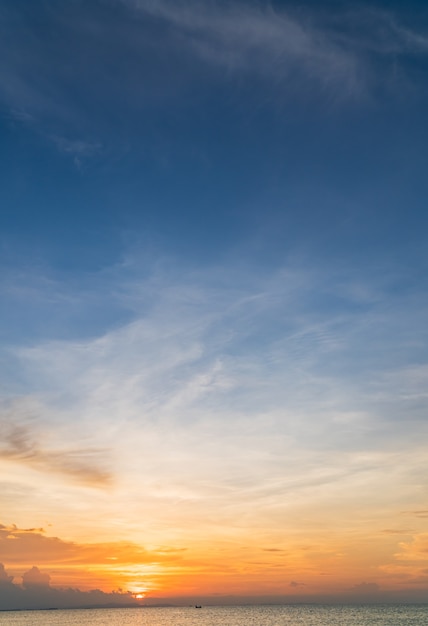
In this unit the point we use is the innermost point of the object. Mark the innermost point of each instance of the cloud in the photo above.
(272, 550)
(421, 514)
(108, 564)
(237, 398)
(20, 115)
(4, 577)
(36, 593)
(22, 443)
(35, 578)
(21, 546)
(158, 51)
(385, 35)
(292, 49)
(366, 588)
(415, 550)
(257, 39)
(407, 564)
(42, 596)
(76, 147)
(219, 355)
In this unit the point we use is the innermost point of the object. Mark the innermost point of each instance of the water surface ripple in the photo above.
(274, 615)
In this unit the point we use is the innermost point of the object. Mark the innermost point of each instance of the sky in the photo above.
(213, 361)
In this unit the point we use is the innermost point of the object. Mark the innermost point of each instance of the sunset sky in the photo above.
(213, 241)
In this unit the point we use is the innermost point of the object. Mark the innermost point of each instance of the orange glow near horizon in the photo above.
(217, 533)
(223, 569)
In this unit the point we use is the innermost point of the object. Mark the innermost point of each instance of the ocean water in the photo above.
(400, 615)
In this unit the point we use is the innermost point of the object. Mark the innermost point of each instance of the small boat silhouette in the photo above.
(198, 606)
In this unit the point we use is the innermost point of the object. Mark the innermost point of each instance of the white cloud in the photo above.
(229, 389)
(194, 342)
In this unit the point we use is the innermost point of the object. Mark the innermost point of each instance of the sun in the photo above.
(139, 596)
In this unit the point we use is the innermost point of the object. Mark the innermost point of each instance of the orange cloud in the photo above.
(415, 550)
(108, 565)
(331, 565)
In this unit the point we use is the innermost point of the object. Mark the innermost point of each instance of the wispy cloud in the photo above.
(27, 444)
(301, 52)
(256, 367)
(77, 148)
(383, 32)
(256, 38)
(290, 49)
(239, 398)
(420, 514)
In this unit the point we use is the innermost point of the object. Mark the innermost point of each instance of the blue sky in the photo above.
(296, 130)
(213, 228)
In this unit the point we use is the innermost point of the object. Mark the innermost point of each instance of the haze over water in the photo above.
(226, 616)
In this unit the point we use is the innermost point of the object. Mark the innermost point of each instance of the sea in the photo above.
(272, 615)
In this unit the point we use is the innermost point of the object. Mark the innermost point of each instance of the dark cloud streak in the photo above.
(20, 443)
